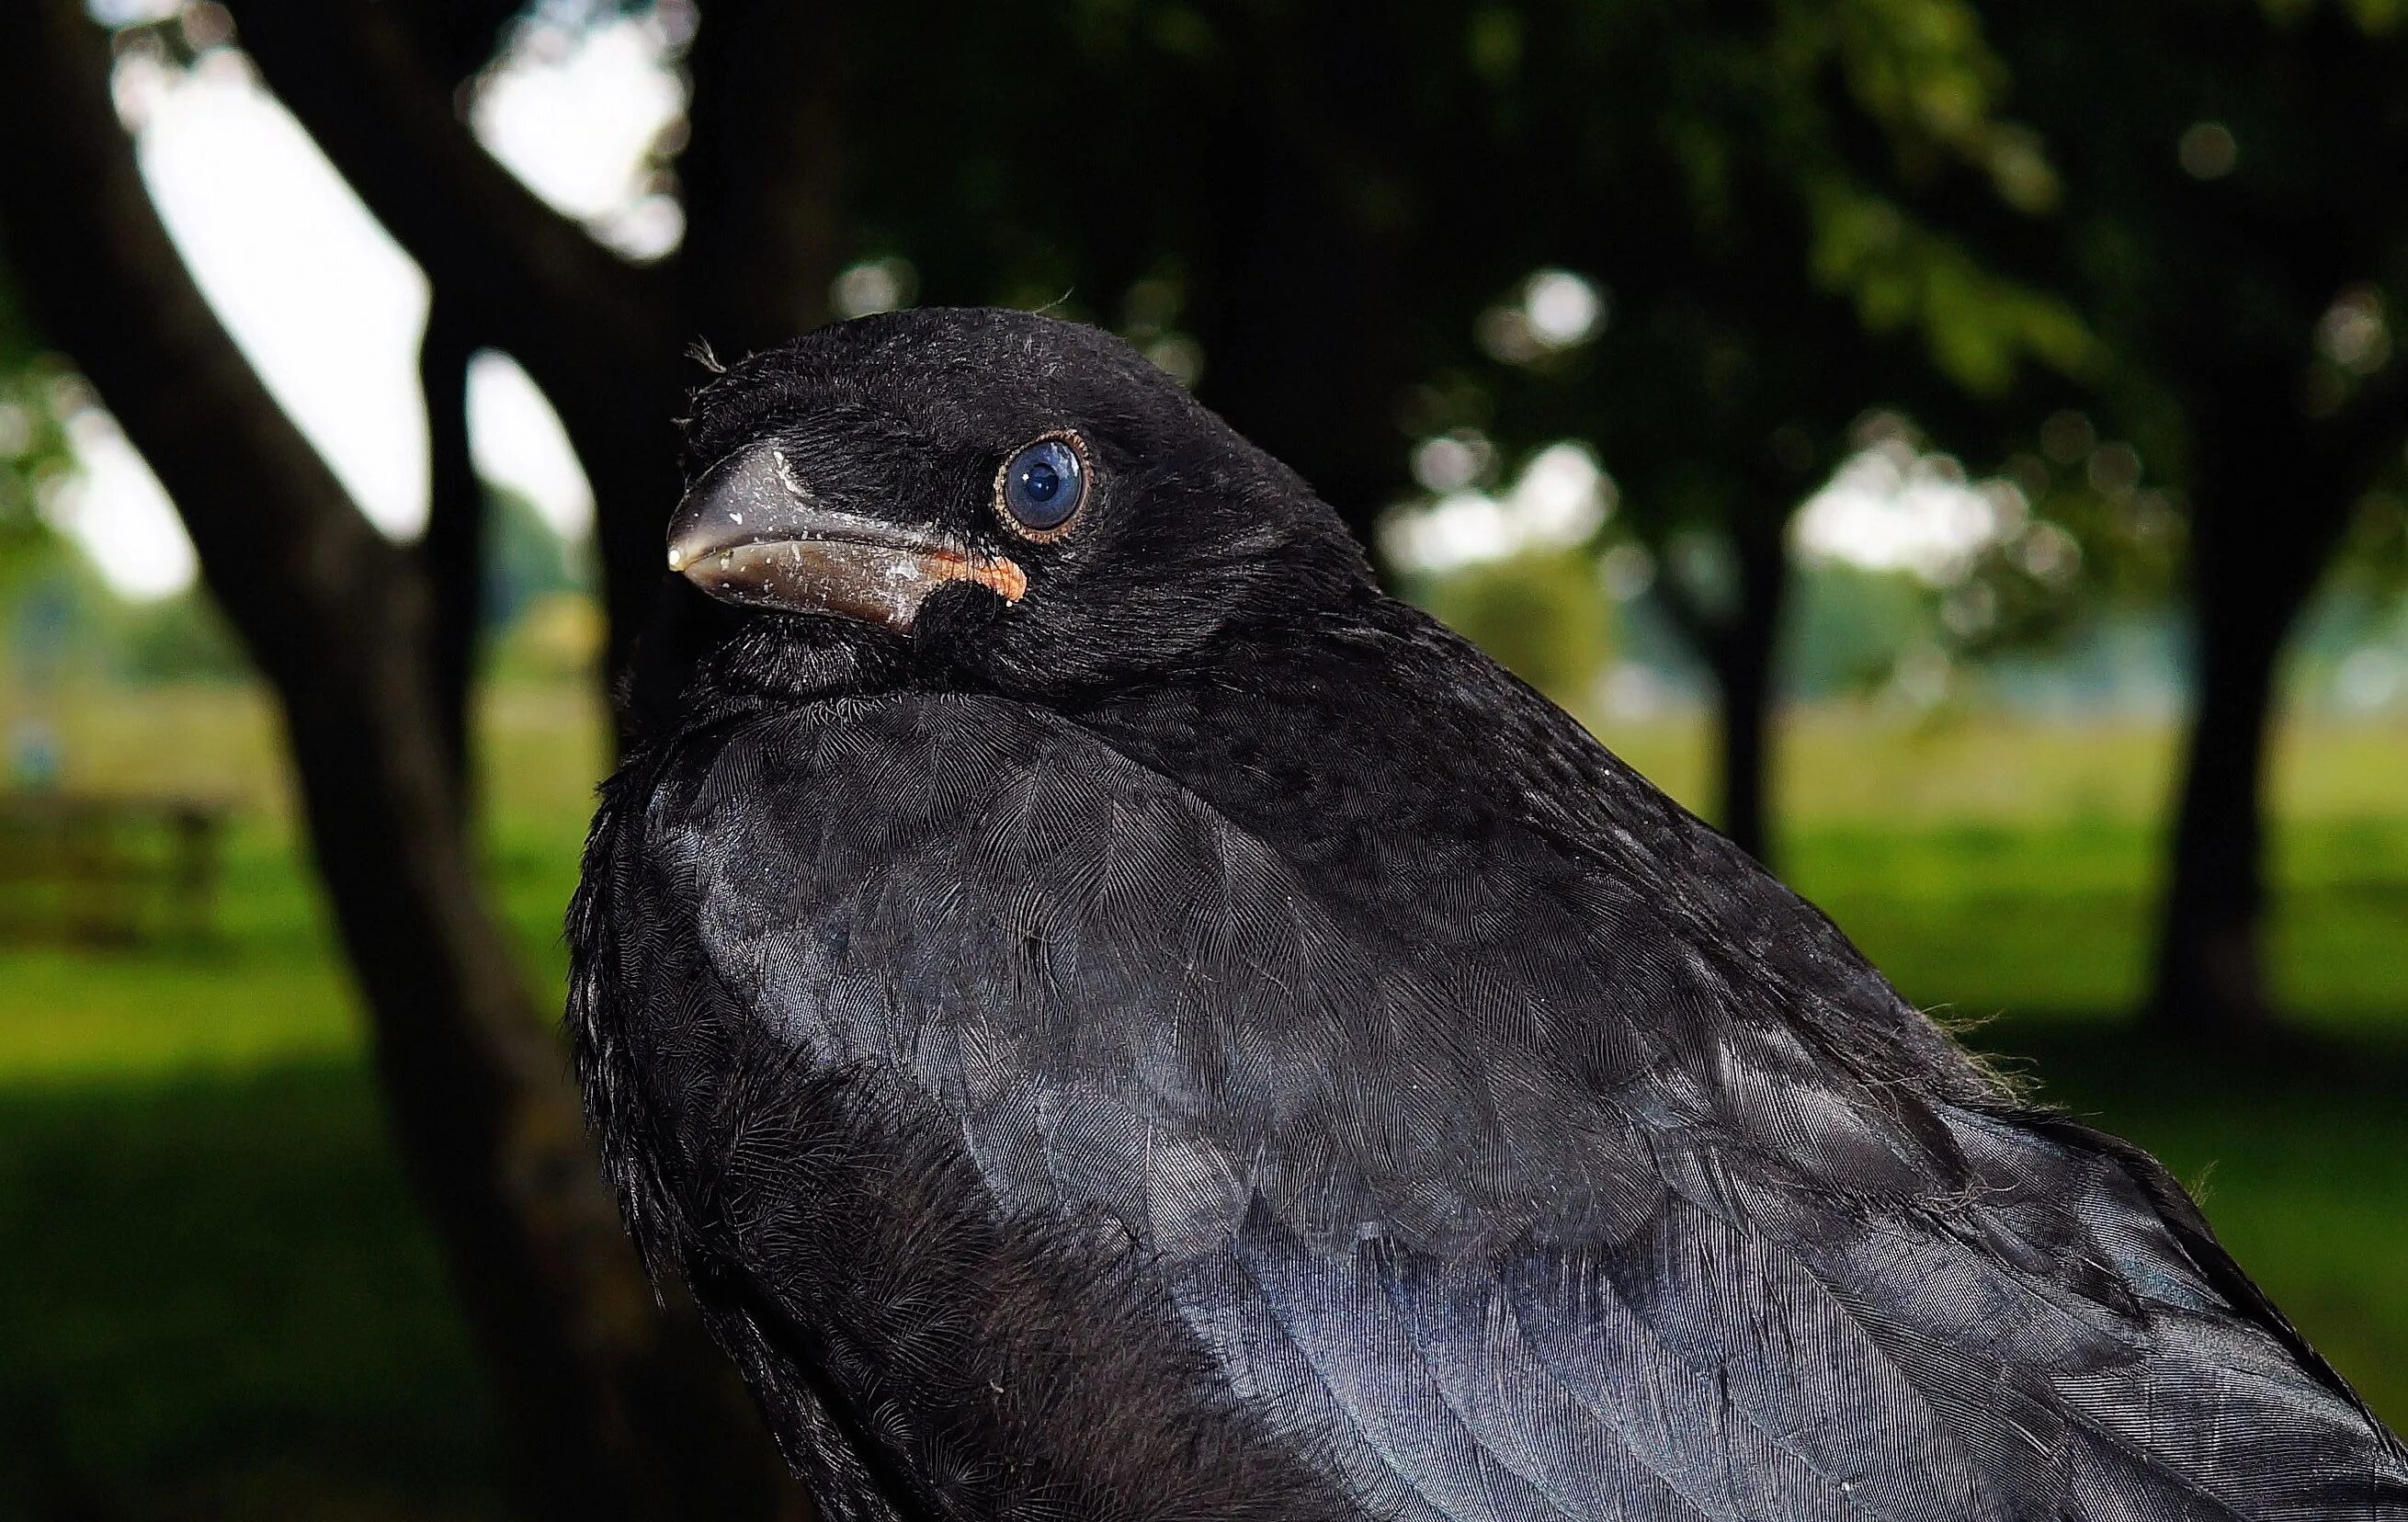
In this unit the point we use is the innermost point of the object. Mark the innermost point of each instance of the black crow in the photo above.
(1114, 1017)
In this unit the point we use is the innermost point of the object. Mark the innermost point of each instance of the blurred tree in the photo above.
(452, 552)
(2230, 233)
(33, 442)
(1740, 193)
(609, 1411)
(1338, 211)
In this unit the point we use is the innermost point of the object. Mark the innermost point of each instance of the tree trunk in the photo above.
(1740, 642)
(2210, 978)
(2252, 569)
(761, 174)
(1743, 652)
(609, 1411)
(454, 551)
(1304, 357)
(1299, 296)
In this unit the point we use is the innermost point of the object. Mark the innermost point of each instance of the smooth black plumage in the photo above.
(1131, 1022)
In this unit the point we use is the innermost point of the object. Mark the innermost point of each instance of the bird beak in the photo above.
(751, 533)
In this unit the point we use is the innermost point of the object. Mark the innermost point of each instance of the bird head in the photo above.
(985, 499)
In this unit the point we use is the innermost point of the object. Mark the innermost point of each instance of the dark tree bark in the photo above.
(1303, 355)
(607, 1413)
(453, 549)
(2271, 501)
(2210, 977)
(1300, 297)
(761, 173)
(1742, 651)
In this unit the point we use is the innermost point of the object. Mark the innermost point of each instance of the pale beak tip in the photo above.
(677, 558)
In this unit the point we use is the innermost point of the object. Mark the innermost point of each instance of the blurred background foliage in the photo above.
(1957, 448)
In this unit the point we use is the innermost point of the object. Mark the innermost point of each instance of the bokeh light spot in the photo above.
(2207, 151)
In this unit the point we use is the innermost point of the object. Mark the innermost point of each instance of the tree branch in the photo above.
(603, 340)
(532, 281)
(452, 554)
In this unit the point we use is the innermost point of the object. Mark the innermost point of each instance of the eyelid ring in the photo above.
(1078, 446)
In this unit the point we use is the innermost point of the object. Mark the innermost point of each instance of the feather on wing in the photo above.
(1565, 1215)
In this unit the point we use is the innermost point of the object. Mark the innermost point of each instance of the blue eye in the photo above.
(1041, 486)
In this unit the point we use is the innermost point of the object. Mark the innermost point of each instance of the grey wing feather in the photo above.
(1494, 1252)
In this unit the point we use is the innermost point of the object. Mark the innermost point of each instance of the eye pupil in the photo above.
(1043, 486)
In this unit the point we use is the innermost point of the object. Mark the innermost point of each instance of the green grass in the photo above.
(224, 1304)
(217, 1301)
